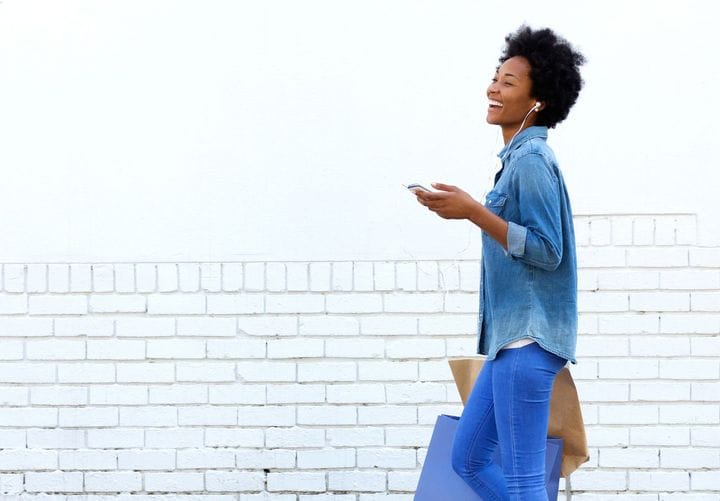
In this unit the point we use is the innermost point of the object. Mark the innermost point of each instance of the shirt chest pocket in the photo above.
(495, 201)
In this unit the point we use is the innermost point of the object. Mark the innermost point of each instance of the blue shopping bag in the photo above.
(439, 482)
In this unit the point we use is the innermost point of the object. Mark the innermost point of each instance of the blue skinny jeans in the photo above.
(509, 405)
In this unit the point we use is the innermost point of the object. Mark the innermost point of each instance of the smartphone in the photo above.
(416, 186)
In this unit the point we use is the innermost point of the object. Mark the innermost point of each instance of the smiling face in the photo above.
(509, 96)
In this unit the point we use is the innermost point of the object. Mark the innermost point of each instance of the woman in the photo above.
(528, 292)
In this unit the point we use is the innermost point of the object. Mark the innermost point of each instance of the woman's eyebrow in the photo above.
(511, 75)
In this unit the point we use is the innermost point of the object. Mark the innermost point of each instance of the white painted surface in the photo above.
(282, 130)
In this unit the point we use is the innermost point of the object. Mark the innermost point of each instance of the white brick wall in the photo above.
(308, 380)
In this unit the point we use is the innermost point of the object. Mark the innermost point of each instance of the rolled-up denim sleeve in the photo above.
(536, 239)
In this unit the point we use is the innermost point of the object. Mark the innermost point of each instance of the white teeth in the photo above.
(495, 103)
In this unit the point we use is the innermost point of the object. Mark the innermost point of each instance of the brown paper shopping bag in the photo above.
(565, 415)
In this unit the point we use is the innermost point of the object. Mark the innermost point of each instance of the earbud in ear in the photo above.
(537, 106)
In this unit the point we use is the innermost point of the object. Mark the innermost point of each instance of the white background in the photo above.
(177, 130)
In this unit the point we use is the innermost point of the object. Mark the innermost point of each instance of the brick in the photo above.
(320, 277)
(11, 304)
(705, 257)
(234, 304)
(55, 439)
(658, 480)
(297, 277)
(254, 275)
(295, 393)
(606, 436)
(14, 277)
(596, 391)
(342, 276)
(387, 414)
(406, 276)
(73, 278)
(689, 414)
(176, 304)
(643, 230)
(232, 277)
(124, 278)
(326, 415)
(103, 278)
(189, 277)
(657, 257)
(449, 275)
(461, 302)
(388, 325)
(86, 373)
(448, 324)
(705, 301)
(415, 392)
(83, 326)
(28, 459)
(600, 257)
(175, 348)
(705, 480)
(58, 305)
(358, 302)
(294, 437)
(326, 459)
(120, 438)
(117, 394)
(356, 436)
(689, 458)
(384, 276)
(270, 415)
(206, 326)
(234, 481)
(296, 481)
(55, 349)
(686, 229)
(600, 231)
(146, 460)
(690, 368)
(602, 346)
(205, 371)
(167, 276)
(427, 276)
(145, 327)
(60, 481)
(624, 280)
(236, 348)
(58, 395)
(635, 457)
(363, 481)
(631, 323)
(326, 371)
(704, 436)
(657, 346)
(145, 372)
(259, 459)
(266, 325)
(113, 481)
(660, 301)
(622, 230)
(408, 436)
(118, 303)
(88, 417)
(145, 277)
(295, 303)
(659, 435)
(705, 346)
(386, 457)
(361, 393)
(226, 437)
(328, 325)
(384, 370)
(25, 327)
(422, 348)
(602, 301)
(706, 392)
(659, 391)
(174, 482)
(150, 416)
(211, 277)
(469, 276)
(588, 280)
(295, 348)
(237, 393)
(581, 226)
(355, 348)
(205, 459)
(363, 279)
(628, 368)
(419, 302)
(695, 323)
(36, 278)
(266, 371)
(689, 279)
(628, 414)
(664, 230)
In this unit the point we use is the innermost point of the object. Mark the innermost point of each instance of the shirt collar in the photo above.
(527, 134)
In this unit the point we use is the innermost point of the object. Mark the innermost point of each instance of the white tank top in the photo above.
(519, 343)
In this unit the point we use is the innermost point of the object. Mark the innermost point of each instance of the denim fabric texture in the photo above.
(510, 405)
(530, 289)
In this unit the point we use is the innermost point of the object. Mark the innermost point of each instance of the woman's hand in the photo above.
(450, 202)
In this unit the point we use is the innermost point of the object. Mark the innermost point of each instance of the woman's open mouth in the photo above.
(494, 105)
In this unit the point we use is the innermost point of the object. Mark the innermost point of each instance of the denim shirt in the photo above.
(530, 289)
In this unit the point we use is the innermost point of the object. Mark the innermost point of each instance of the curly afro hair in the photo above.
(554, 72)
